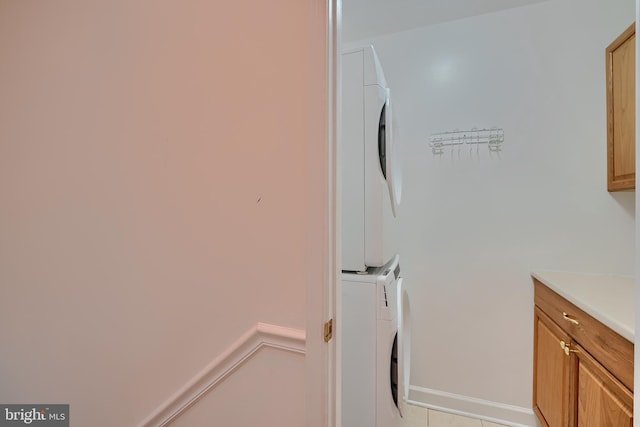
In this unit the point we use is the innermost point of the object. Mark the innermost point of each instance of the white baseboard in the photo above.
(499, 413)
(260, 336)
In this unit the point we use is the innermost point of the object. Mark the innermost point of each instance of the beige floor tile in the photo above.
(441, 419)
(414, 416)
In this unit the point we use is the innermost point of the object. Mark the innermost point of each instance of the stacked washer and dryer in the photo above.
(376, 320)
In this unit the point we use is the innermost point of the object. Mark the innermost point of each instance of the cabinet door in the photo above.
(621, 112)
(550, 373)
(600, 400)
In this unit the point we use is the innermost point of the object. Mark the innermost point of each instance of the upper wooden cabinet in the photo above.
(621, 112)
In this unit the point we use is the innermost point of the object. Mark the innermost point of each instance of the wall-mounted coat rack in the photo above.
(493, 137)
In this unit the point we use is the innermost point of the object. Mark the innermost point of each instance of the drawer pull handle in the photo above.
(569, 319)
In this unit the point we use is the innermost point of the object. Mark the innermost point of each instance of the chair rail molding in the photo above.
(259, 336)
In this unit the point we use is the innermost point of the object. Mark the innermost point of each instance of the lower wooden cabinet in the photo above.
(571, 388)
(551, 367)
(601, 400)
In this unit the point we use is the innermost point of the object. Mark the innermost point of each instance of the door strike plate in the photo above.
(328, 330)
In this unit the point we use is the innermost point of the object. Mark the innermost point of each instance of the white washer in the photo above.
(371, 179)
(376, 344)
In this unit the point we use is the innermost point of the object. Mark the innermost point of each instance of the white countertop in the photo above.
(609, 299)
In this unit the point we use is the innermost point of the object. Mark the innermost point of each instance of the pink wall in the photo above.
(153, 178)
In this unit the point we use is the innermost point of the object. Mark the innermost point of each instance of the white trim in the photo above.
(261, 335)
(500, 413)
(334, 397)
(321, 267)
(336, 129)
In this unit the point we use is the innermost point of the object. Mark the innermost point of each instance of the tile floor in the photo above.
(422, 417)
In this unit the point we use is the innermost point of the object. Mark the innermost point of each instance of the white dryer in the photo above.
(376, 347)
(371, 170)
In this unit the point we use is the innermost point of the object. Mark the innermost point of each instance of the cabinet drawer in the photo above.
(613, 351)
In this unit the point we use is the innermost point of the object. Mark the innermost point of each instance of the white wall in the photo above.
(475, 225)
(154, 177)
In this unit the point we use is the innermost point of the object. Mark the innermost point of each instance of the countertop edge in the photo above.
(618, 327)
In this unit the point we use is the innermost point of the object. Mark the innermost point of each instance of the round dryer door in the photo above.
(392, 157)
(404, 343)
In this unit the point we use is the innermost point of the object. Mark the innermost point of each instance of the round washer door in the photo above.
(404, 342)
(393, 158)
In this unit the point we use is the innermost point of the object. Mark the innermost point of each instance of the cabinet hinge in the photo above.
(328, 330)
